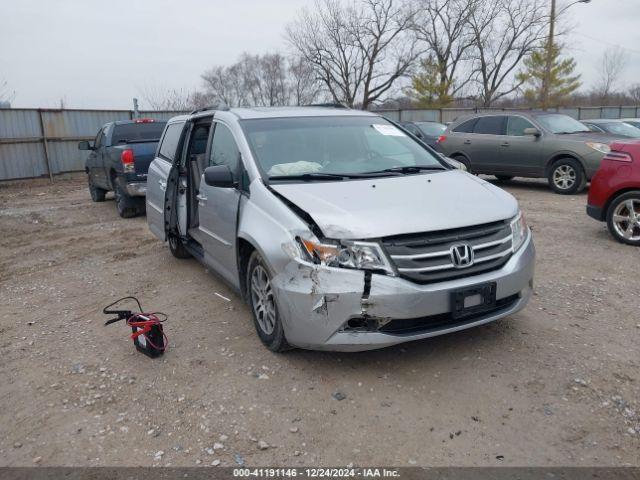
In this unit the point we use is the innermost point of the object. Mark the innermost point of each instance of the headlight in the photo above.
(601, 147)
(348, 254)
(518, 231)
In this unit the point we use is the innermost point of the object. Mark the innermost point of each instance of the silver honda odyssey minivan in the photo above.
(340, 229)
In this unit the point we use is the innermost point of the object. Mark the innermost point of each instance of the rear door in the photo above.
(488, 139)
(160, 170)
(218, 207)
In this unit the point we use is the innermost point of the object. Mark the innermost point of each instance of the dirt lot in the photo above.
(557, 384)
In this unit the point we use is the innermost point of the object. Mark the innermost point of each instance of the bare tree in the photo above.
(358, 51)
(612, 65)
(6, 94)
(634, 93)
(172, 99)
(304, 86)
(443, 25)
(504, 32)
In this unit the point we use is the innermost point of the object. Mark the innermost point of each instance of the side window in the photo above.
(490, 126)
(517, 125)
(466, 127)
(171, 141)
(224, 150)
(99, 139)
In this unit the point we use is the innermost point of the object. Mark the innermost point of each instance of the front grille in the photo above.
(409, 326)
(426, 257)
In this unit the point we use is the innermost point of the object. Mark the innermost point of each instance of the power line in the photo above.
(608, 43)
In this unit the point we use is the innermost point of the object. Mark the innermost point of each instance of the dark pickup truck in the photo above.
(119, 161)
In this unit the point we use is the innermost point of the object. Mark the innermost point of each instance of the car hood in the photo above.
(373, 208)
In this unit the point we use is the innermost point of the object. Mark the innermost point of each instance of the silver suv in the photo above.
(527, 144)
(341, 231)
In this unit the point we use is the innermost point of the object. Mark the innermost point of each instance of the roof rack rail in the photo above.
(218, 106)
(328, 105)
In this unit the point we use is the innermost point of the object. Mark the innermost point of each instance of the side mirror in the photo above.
(84, 145)
(219, 176)
(534, 132)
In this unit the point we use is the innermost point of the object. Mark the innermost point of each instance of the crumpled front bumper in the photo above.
(315, 302)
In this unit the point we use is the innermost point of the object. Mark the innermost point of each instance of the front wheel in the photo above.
(567, 177)
(262, 301)
(623, 218)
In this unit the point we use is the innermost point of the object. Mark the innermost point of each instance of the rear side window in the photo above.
(170, 141)
(137, 132)
(489, 126)
(466, 127)
(517, 125)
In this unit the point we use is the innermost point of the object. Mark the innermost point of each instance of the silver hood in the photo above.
(361, 209)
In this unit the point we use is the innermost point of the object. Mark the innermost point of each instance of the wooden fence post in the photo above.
(45, 144)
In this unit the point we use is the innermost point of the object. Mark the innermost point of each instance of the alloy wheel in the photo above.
(262, 300)
(626, 219)
(564, 177)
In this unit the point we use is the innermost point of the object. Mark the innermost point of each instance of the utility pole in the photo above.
(546, 81)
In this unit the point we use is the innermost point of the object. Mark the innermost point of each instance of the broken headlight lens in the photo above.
(348, 254)
(518, 231)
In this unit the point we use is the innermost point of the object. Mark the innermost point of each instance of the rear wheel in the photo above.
(177, 248)
(567, 177)
(504, 178)
(97, 194)
(127, 206)
(623, 218)
(263, 305)
(465, 161)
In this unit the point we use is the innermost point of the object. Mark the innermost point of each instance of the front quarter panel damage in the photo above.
(314, 301)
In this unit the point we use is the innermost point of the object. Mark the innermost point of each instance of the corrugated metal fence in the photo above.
(44, 142)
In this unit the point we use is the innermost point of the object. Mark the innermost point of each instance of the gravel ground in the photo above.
(557, 384)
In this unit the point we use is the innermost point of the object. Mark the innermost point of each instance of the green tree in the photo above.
(562, 82)
(429, 88)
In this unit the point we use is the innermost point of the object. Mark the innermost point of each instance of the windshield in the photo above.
(432, 129)
(561, 124)
(319, 147)
(137, 132)
(622, 128)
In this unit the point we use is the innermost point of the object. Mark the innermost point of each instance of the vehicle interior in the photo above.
(197, 162)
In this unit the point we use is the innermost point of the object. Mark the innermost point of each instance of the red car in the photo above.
(614, 195)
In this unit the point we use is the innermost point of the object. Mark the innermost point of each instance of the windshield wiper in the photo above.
(575, 131)
(311, 176)
(410, 169)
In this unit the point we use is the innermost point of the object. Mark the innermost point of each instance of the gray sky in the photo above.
(102, 53)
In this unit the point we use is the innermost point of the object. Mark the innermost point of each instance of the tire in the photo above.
(261, 297)
(177, 248)
(97, 194)
(567, 177)
(626, 206)
(504, 178)
(127, 206)
(462, 159)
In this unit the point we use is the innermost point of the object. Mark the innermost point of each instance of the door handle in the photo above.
(201, 198)
(163, 185)
(467, 142)
(504, 144)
